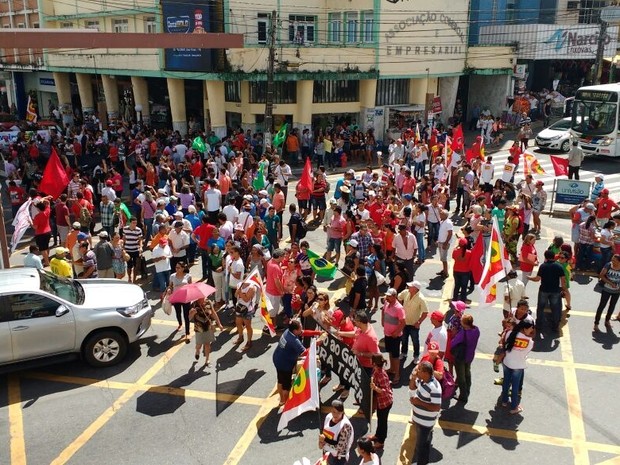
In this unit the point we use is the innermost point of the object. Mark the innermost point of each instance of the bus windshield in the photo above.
(594, 118)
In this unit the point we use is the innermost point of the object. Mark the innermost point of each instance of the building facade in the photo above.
(374, 63)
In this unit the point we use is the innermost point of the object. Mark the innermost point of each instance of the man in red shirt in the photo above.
(201, 235)
(63, 221)
(375, 207)
(274, 289)
(76, 208)
(604, 208)
(17, 194)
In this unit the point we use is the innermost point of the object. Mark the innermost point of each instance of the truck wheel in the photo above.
(105, 349)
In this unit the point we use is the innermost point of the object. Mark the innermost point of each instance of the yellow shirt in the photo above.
(415, 306)
(61, 267)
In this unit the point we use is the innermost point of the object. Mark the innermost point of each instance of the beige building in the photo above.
(375, 63)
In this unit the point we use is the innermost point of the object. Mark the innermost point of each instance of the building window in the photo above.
(150, 24)
(301, 29)
(590, 11)
(232, 91)
(283, 92)
(35, 25)
(120, 25)
(263, 27)
(21, 26)
(335, 91)
(66, 25)
(392, 92)
(368, 27)
(351, 25)
(335, 28)
(92, 25)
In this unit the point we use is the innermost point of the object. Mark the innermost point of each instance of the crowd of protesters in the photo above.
(224, 203)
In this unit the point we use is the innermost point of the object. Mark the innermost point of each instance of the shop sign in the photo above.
(436, 105)
(565, 41)
(181, 17)
(571, 192)
(47, 82)
(425, 18)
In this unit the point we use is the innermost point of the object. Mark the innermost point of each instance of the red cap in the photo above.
(337, 317)
(605, 191)
(437, 315)
(108, 182)
(163, 241)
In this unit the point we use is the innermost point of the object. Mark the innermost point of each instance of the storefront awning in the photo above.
(409, 108)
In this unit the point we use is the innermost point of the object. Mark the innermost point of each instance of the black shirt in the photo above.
(359, 287)
(550, 273)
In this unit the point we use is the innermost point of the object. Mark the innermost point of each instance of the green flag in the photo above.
(279, 138)
(199, 144)
(321, 267)
(259, 180)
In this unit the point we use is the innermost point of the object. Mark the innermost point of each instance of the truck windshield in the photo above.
(66, 289)
(594, 118)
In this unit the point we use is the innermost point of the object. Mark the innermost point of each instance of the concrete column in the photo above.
(248, 120)
(176, 92)
(110, 90)
(368, 98)
(141, 96)
(205, 107)
(448, 88)
(302, 117)
(217, 108)
(85, 88)
(63, 90)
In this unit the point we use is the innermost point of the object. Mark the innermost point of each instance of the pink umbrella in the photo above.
(190, 293)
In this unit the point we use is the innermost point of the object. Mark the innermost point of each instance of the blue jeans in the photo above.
(419, 169)
(162, 279)
(512, 379)
(421, 250)
(148, 225)
(424, 438)
(433, 232)
(555, 303)
(410, 331)
(204, 262)
(461, 282)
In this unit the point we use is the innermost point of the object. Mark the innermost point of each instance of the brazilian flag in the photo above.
(279, 138)
(321, 267)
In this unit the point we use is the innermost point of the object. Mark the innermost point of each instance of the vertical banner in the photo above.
(338, 356)
(181, 17)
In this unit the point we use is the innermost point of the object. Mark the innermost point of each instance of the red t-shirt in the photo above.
(604, 207)
(368, 343)
(274, 273)
(17, 195)
(461, 263)
(527, 251)
(408, 185)
(437, 364)
(204, 232)
(41, 222)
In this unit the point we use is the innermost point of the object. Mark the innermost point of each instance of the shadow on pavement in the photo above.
(607, 338)
(233, 388)
(154, 403)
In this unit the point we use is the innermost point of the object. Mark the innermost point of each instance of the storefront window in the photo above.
(392, 92)
(335, 91)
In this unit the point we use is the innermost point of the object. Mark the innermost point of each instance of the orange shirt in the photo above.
(72, 239)
(292, 143)
(278, 201)
(225, 183)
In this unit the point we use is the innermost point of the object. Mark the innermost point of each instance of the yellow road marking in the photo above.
(575, 414)
(95, 426)
(16, 422)
(614, 461)
(252, 430)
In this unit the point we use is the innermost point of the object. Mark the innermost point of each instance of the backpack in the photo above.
(85, 216)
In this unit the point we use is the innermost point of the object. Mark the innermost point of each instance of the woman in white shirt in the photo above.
(518, 343)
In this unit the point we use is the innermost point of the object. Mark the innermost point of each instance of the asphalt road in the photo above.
(160, 406)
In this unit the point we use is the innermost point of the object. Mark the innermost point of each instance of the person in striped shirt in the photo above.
(132, 235)
(425, 396)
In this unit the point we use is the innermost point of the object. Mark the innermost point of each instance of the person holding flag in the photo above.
(496, 265)
(285, 357)
(248, 294)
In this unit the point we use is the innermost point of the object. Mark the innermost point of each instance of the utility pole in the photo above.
(600, 49)
(270, 71)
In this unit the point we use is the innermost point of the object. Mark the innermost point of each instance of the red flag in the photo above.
(55, 179)
(305, 182)
(560, 165)
(458, 140)
(469, 155)
(477, 262)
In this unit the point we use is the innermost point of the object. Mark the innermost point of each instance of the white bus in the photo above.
(595, 122)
